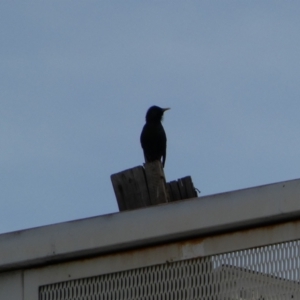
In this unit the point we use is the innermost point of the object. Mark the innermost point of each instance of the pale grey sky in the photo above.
(78, 76)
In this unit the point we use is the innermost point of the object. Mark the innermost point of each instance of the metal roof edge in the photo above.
(251, 207)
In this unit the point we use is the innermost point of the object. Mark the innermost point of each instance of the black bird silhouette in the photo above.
(153, 136)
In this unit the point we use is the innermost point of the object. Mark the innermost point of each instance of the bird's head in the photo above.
(155, 114)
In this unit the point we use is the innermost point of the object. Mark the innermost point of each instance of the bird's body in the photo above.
(153, 137)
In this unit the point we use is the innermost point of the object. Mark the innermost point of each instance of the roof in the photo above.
(150, 226)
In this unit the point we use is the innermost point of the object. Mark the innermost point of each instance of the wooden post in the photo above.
(156, 182)
(181, 189)
(145, 186)
(131, 189)
(174, 191)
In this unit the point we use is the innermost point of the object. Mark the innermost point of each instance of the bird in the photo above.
(153, 137)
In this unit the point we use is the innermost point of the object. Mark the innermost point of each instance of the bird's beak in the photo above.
(164, 109)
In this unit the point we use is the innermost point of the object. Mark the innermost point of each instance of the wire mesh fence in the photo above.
(269, 272)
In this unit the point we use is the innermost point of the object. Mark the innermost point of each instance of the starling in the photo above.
(153, 136)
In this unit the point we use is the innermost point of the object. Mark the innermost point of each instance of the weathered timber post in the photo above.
(131, 189)
(156, 183)
(140, 186)
(181, 189)
(145, 186)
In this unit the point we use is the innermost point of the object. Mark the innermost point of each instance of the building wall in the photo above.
(201, 267)
(11, 285)
(176, 249)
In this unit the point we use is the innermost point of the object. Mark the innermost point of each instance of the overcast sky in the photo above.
(77, 77)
